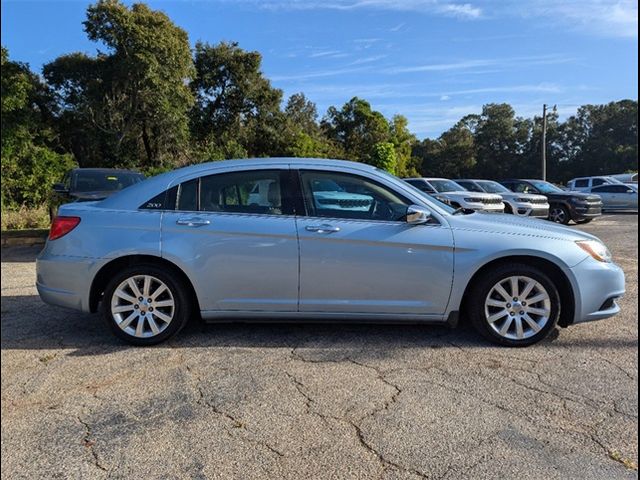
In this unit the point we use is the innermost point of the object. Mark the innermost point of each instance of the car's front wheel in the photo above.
(560, 214)
(514, 305)
(145, 305)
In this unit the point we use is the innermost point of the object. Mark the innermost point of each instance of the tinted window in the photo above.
(522, 187)
(611, 189)
(163, 201)
(256, 191)
(96, 181)
(471, 186)
(188, 196)
(444, 186)
(421, 185)
(350, 196)
(582, 183)
(598, 181)
(490, 186)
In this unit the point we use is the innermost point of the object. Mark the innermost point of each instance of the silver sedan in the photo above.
(617, 197)
(308, 239)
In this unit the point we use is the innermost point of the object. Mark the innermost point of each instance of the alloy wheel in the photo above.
(142, 306)
(558, 215)
(517, 307)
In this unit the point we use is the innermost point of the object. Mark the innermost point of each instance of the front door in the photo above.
(358, 254)
(235, 233)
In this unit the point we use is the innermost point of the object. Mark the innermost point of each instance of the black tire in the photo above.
(508, 209)
(180, 295)
(477, 296)
(584, 221)
(560, 214)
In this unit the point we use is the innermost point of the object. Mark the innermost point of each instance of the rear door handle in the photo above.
(193, 221)
(322, 228)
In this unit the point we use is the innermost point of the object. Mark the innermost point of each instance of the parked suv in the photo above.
(585, 184)
(455, 195)
(522, 204)
(564, 206)
(90, 184)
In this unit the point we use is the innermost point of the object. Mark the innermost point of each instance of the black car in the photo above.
(564, 206)
(90, 184)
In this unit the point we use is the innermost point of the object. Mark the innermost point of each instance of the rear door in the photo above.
(358, 254)
(234, 234)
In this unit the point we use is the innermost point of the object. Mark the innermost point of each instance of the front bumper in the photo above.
(531, 210)
(485, 207)
(64, 281)
(582, 212)
(600, 285)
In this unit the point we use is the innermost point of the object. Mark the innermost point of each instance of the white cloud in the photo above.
(499, 63)
(611, 18)
(436, 7)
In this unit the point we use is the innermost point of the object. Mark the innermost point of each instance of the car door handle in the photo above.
(193, 221)
(322, 228)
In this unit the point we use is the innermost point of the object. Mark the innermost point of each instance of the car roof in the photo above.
(143, 191)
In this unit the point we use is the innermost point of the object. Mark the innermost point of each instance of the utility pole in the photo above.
(544, 141)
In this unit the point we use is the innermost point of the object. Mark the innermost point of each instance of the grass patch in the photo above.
(24, 218)
(617, 456)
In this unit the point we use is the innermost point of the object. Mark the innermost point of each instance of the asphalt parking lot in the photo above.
(316, 401)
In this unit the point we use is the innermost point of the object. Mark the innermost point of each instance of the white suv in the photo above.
(449, 192)
(521, 204)
(585, 184)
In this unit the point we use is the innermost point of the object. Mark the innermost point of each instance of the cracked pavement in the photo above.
(316, 401)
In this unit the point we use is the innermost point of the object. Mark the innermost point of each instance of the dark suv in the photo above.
(90, 184)
(564, 206)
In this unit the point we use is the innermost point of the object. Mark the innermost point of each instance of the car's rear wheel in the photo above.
(145, 305)
(514, 305)
(560, 214)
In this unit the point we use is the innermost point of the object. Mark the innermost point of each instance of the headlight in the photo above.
(523, 200)
(596, 249)
(473, 200)
(579, 201)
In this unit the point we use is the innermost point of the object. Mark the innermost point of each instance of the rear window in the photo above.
(581, 183)
(92, 181)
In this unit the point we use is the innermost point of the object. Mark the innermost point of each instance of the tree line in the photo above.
(150, 102)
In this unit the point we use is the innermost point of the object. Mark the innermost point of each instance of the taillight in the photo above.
(62, 225)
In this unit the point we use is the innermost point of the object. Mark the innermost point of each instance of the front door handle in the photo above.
(193, 221)
(322, 228)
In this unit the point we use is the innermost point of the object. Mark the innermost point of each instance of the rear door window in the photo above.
(582, 183)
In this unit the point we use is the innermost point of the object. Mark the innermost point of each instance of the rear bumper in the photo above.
(600, 286)
(64, 281)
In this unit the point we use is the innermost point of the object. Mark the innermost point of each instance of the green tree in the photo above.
(403, 141)
(30, 163)
(235, 103)
(127, 106)
(356, 128)
(383, 157)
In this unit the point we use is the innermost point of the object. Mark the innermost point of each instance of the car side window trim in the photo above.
(305, 212)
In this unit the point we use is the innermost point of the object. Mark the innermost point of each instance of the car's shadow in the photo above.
(29, 324)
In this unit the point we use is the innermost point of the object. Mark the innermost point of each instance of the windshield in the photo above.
(104, 181)
(490, 186)
(444, 186)
(545, 187)
(417, 191)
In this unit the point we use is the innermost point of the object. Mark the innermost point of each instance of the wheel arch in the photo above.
(551, 269)
(102, 277)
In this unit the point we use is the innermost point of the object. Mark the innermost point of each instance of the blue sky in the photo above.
(430, 60)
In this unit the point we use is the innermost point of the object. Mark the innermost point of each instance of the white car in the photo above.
(521, 204)
(449, 192)
(585, 184)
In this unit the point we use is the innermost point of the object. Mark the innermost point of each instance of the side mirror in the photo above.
(417, 215)
(60, 188)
